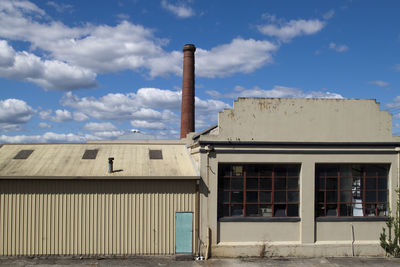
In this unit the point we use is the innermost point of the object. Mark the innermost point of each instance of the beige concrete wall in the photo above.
(258, 231)
(343, 231)
(96, 217)
(313, 120)
(304, 238)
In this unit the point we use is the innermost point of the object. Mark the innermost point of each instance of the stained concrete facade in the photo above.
(294, 131)
(54, 202)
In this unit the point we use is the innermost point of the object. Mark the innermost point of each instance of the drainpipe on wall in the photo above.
(208, 149)
(397, 149)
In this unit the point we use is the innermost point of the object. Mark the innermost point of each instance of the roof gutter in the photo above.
(300, 144)
(106, 177)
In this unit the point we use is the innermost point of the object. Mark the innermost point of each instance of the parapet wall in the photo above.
(304, 120)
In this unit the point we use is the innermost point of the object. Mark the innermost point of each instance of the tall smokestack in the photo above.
(187, 107)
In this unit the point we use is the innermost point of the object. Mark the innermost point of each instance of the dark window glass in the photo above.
(266, 183)
(237, 183)
(331, 196)
(370, 196)
(251, 209)
(345, 196)
(346, 183)
(226, 196)
(280, 172)
(293, 210)
(252, 196)
(264, 190)
(237, 196)
(252, 171)
(370, 183)
(266, 210)
(293, 197)
(321, 196)
(331, 183)
(279, 210)
(345, 210)
(226, 183)
(280, 184)
(293, 183)
(331, 210)
(382, 196)
(236, 210)
(225, 210)
(280, 197)
(252, 183)
(382, 183)
(351, 189)
(265, 196)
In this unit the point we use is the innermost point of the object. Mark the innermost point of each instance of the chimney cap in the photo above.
(189, 47)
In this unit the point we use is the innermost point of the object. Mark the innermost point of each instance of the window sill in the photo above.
(259, 219)
(352, 219)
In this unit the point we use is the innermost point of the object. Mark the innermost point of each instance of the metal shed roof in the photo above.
(131, 161)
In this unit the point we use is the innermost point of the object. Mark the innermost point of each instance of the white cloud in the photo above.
(285, 31)
(395, 103)
(131, 106)
(396, 67)
(74, 55)
(13, 114)
(79, 116)
(49, 74)
(158, 98)
(60, 115)
(60, 7)
(150, 108)
(329, 14)
(338, 48)
(51, 137)
(104, 135)
(44, 125)
(148, 125)
(180, 10)
(99, 127)
(379, 83)
(240, 56)
(45, 138)
(282, 92)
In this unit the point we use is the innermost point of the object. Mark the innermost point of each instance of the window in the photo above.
(23, 154)
(90, 154)
(155, 154)
(351, 190)
(258, 190)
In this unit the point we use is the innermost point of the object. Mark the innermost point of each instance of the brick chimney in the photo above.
(187, 107)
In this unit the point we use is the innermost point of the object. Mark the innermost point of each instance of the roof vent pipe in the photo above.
(110, 165)
(187, 106)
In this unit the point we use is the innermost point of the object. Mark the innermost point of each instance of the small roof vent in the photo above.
(23, 154)
(155, 154)
(90, 154)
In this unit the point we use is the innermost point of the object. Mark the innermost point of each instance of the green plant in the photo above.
(390, 241)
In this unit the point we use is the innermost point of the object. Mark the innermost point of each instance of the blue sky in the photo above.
(72, 71)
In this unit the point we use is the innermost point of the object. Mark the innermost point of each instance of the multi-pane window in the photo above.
(352, 189)
(258, 190)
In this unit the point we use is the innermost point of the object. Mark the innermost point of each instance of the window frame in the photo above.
(364, 175)
(271, 204)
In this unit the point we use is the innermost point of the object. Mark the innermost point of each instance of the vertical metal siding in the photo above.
(63, 217)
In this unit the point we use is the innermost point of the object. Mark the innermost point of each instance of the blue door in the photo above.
(184, 232)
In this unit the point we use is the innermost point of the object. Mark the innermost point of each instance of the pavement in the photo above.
(172, 261)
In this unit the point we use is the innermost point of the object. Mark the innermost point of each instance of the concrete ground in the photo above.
(171, 261)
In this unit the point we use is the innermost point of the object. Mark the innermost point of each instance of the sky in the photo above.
(79, 70)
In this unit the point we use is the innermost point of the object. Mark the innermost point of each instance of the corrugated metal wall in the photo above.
(97, 217)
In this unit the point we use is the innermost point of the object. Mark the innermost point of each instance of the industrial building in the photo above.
(274, 177)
